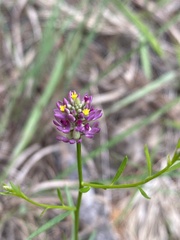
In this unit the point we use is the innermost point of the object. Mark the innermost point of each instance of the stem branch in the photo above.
(130, 185)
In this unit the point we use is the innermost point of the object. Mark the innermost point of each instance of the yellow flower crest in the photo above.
(62, 108)
(86, 111)
(74, 95)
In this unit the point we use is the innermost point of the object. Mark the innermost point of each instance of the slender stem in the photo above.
(130, 185)
(63, 207)
(175, 158)
(79, 163)
(78, 204)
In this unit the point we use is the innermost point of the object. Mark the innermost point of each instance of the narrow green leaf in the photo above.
(84, 189)
(172, 124)
(43, 212)
(69, 197)
(49, 224)
(60, 195)
(169, 163)
(174, 167)
(148, 160)
(176, 156)
(120, 170)
(143, 193)
(16, 189)
(83, 42)
(178, 144)
(3, 193)
(70, 203)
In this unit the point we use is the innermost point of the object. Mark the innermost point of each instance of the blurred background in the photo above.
(127, 55)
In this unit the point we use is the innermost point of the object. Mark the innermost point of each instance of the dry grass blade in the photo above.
(33, 160)
(53, 184)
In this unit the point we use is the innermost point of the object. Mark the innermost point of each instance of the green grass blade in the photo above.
(32, 123)
(70, 203)
(82, 43)
(145, 59)
(148, 160)
(46, 44)
(78, 51)
(113, 66)
(173, 20)
(34, 117)
(143, 29)
(172, 124)
(79, 56)
(49, 225)
(120, 170)
(178, 144)
(167, 77)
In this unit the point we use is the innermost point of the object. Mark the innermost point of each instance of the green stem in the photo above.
(63, 207)
(78, 204)
(130, 185)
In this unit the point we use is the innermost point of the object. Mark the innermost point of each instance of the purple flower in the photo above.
(76, 117)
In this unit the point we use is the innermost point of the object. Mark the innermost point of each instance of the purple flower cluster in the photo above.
(76, 117)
